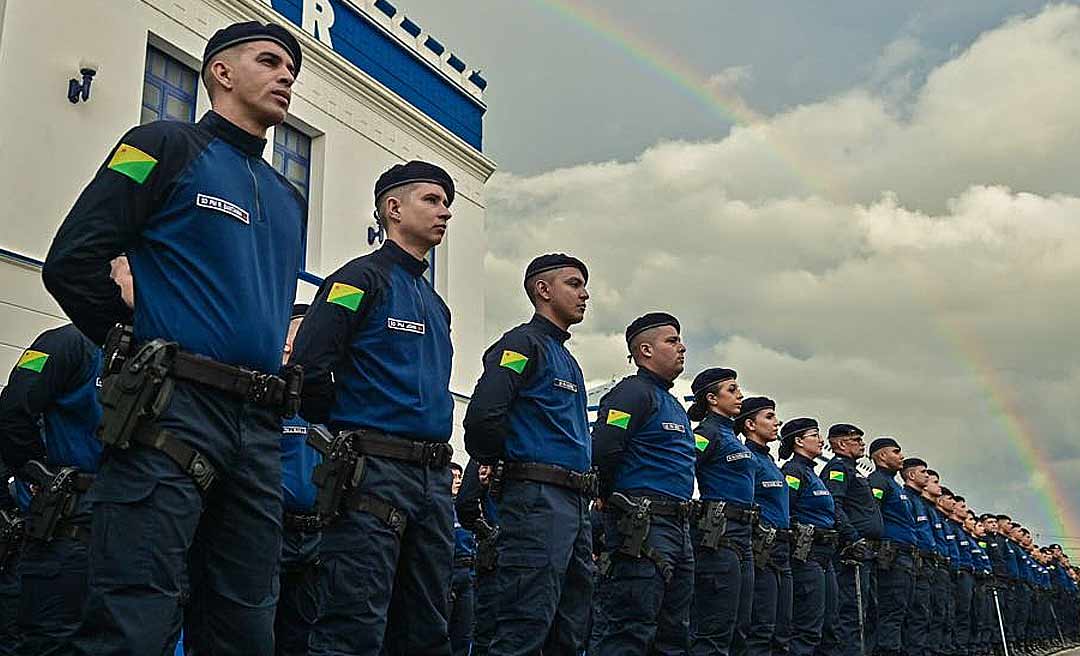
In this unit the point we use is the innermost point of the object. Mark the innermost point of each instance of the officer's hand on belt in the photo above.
(857, 550)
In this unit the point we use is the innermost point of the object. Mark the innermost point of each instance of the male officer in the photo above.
(528, 411)
(940, 574)
(298, 606)
(644, 449)
(48, 414)
(476, 511)
(376, 353)
(463, 584)
(896, 556)
(212, 233)
(964, 580)
(858, 520)
(917, 623)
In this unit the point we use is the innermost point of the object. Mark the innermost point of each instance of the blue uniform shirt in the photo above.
(725, 467)
(937, 524)
(464, 540)
(530, 402)
(1012, 561)
(376, 352)
(951, 542)
(808, 497)
(963, 545)
(642, 441)
(924, 528)
(857, 512)
(298, 460)
(895, 507)
(771, 490)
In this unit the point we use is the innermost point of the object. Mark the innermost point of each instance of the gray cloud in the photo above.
(915, 272)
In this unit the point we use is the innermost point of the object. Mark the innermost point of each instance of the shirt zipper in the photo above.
(255, 181)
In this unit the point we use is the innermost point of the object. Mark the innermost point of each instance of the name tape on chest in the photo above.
(768, 484)
(672, 426)
(405, 326)
(821, 493)
(739, 455)
(566, 385)
(294, 430)
(223, 206)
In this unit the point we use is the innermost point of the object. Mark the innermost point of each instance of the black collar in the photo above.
(654, 379)
(545, 325)
(754, 446)
(890, 475)
(717, 418)
(399, 255)
(221, 127)
(800, 458)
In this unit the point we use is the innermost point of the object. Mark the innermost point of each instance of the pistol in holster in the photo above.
(495, 482)
(487, 535)
(635, 519)
(804, 542)
(761, 545)
(712, 523)
(886, 555)
(340, 472)
(54, 500)
(135, 389)
(12, 534)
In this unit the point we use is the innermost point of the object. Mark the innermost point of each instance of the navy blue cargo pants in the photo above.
(840, 636)
(545, 573)
(938, 576)
(814, 588)
(298, 604)
(53, 579)
(895, 585)
(150, 521)
(770, 613)
(382, 592)
(486, 611)
(637, 611)
(723, 588)
(965, 592)
(9, 608)
(916, 628)
(462, 607)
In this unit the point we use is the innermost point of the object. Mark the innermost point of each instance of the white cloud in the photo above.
(916, 274)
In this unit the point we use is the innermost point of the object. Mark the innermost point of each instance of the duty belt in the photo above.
(898, 547)
(266, 390)
(73, 531)
(584, 484)
(730, 511)
(782, 535)
(302, 523)
(680, 510)
(435, 455)
(826, 536)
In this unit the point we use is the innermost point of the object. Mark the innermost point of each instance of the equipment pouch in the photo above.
(12, 532)
(712, 523)
(294, 380)
(760, 545)
(137, 393)
(633, 524)
(804, 541)
(341, 470)
(54, 500)
(495, 483)
(886, 555)
(486, 538)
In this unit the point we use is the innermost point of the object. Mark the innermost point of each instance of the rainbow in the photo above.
(682, 75)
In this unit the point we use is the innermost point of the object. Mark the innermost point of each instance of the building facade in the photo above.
(376, 89)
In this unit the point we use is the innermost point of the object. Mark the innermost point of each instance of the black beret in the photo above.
(844, 430)
(792, 430)
(554, 261)
(985, 516)
(882, 443)
(298, 310)
(932, 472)
(414, 171)
(237, 33)
(649, 321)
(752, 406)
(946, 492)
(913, 462)
(710, 377)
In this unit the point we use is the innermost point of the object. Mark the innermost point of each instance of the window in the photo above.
(292, 159)
(169, 88)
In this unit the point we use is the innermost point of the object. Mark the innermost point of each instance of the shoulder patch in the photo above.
(345, 295)
(878, 493)
(618, 418)
(793, 482)
(836, 476)
(701, 442)
(132, 162)
(513, 361)
(32, 360)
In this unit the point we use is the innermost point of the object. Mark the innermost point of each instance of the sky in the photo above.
(871, 210)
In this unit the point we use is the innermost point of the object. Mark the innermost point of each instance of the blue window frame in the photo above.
(169, 88)
(292, 159)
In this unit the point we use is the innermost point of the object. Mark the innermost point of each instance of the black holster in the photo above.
(886, 555)
(134, 390)
(54, 500)
(495, 483)
(487, 536)
(804, 542)
(712, 523)
(12, 534)
(761, 544)
(340, 472)
(634, 521)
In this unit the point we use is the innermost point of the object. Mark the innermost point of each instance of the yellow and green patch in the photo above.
(701, 442)
(794, 482)
(132, 162)
(345, 295)
(618, 418)
(32, 360)
(982, 544)
(836, 476)
(513, 361)
(879, 493)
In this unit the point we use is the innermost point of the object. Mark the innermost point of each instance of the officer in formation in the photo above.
(463, 582)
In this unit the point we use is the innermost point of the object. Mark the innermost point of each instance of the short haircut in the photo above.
(399, 192)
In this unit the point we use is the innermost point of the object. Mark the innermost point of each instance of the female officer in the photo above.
(723, 570)
(813, 536)
(771, 608)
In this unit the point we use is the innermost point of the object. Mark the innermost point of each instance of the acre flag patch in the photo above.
(132, 162)
(32, 360)
(513, 361)
(346, 296)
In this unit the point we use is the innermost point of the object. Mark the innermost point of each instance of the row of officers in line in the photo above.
(166, 496)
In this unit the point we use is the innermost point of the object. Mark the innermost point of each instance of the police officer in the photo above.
(463, 582)
(298, 606)
(528, 411)
(946, 503)
(813, 516)
(54, 385)
(896, 557)
(724, 516)
(644, 449)
(916, 626)
(376, 352)
(771, 608)
(964, 581)
(476, 511)
(12, 524)
(858, 521)
(940, 572)
(212, 233)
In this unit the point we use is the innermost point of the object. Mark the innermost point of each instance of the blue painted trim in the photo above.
(386, 8)
(456, 63)
(310, 277)
(22, 259)
(434, 46)
(410, 27)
